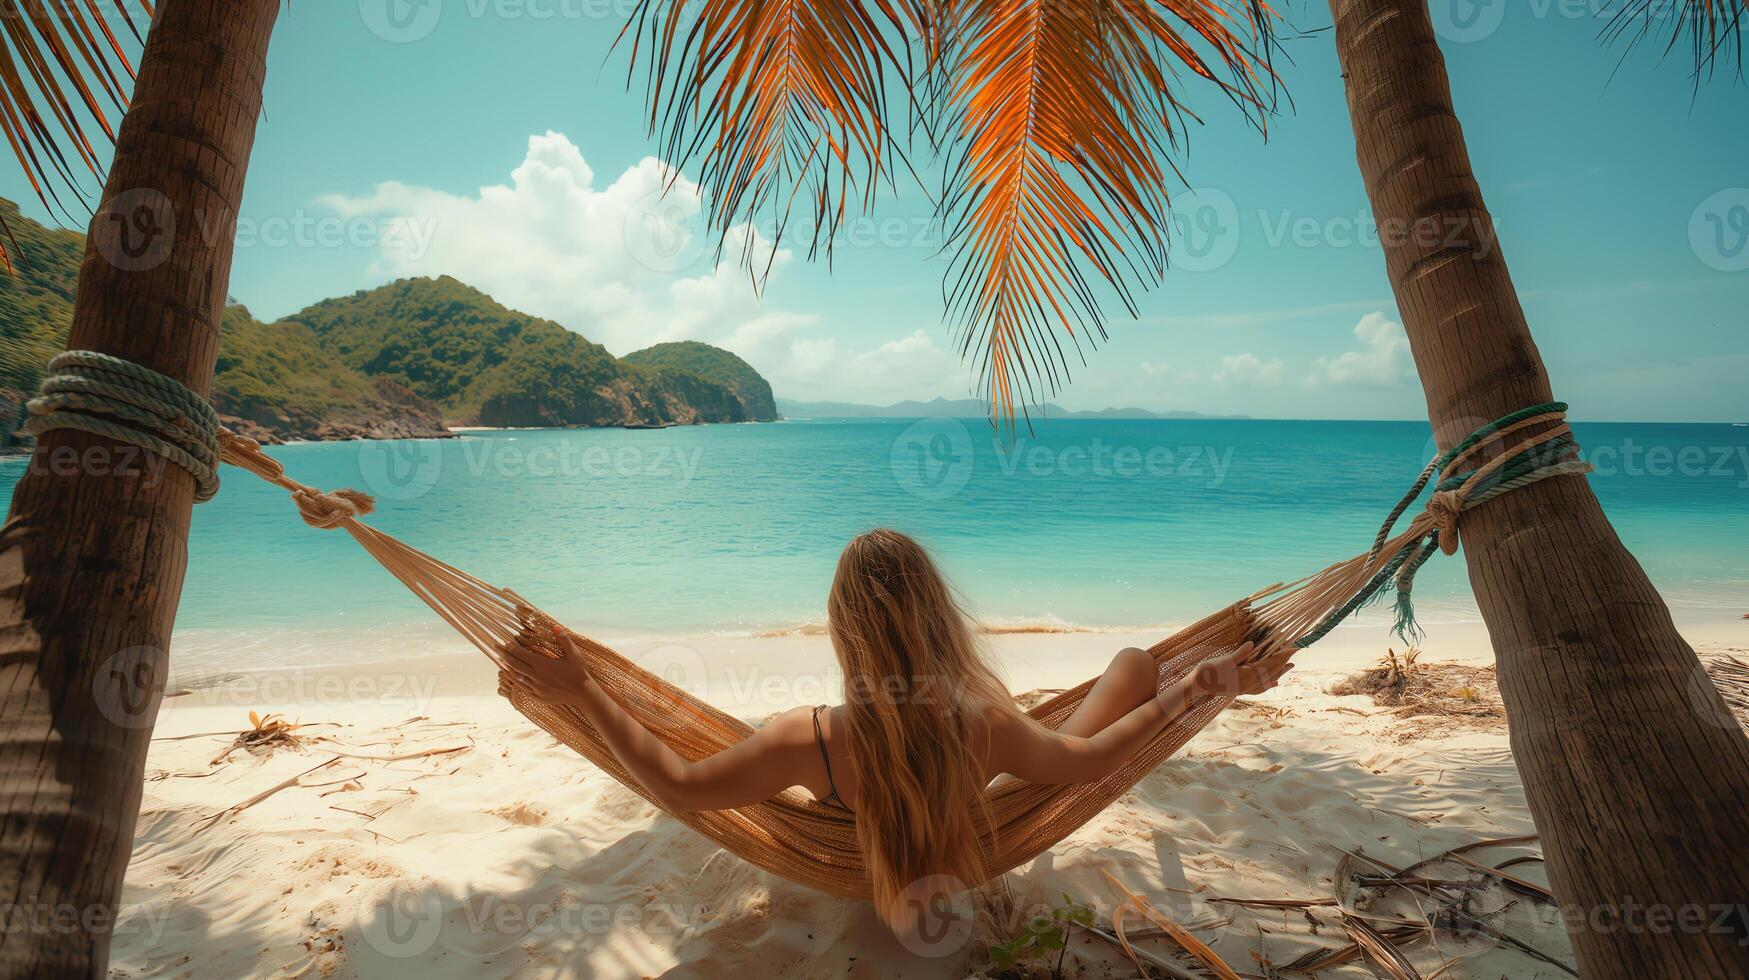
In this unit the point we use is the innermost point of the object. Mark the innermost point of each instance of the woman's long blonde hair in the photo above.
(917, 691)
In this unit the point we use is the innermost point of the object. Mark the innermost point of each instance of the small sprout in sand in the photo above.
(1400, 664)
(1042, 935)
(1470, 695)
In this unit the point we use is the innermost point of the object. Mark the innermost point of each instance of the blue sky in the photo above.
(1622, 202)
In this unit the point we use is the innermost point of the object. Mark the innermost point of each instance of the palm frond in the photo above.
(1064, 121)
(1711, 30)
(772, 100)
(1056, 122)
(61, 71)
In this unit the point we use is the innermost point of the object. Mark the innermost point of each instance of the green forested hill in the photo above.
(717, 365)
(36, 307)
(277, 377)
(389, 362)
(272, 380)
(486, 364)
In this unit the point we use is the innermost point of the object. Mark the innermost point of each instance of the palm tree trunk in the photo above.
(1636, 776)
(93, 553)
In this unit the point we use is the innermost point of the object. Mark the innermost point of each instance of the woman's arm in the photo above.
(748, 772)
(1026, 749)
(1023, 748)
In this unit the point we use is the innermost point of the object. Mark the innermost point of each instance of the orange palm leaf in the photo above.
(1063, 121)
(61, 65)
(774, 100)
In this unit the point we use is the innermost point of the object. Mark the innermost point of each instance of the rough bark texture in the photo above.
(1636, 776)
(93, 554)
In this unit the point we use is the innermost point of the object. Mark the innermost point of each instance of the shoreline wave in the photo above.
(996, 626)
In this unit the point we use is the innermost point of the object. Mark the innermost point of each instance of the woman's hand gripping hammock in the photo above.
(1239, 673)
(544, 678)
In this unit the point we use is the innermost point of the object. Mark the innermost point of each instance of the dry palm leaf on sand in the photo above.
(1210, 960)
(1382, 912)
(264, 735)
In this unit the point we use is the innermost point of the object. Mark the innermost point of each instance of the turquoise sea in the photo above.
(1079, 524)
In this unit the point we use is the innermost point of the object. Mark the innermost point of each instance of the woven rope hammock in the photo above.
(791, 834)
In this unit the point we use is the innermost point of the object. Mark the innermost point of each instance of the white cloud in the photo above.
(1248, 370)
(1383, 360)
(628, 265)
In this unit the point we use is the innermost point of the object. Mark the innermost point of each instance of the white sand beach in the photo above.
(500, 853)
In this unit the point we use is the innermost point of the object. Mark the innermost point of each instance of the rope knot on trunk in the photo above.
(1445, 508)
(1457, 487)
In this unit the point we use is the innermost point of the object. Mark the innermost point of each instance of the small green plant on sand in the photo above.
(1042, 935)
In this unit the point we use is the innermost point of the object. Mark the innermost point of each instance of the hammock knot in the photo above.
(246, 452)
(1445, 508)
(326, 511)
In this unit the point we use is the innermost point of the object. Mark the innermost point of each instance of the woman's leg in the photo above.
(1125, 686)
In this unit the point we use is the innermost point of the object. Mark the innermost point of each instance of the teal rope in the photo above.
(1445, 459)
(1366, 595)
(1403, 506)
(1405, 625)
(1555, 457)
(108, 396)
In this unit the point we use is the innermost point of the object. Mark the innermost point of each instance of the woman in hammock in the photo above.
(925, 727)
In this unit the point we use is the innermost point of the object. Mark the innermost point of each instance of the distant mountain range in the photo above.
(405, 360)
(964, 408)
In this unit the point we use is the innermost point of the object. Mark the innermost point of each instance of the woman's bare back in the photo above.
(1127, 683)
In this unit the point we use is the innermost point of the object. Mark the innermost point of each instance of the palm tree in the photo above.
(1057, 120)
(1637, 788)
(92, 555)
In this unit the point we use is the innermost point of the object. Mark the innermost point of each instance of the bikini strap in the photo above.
(831, 784)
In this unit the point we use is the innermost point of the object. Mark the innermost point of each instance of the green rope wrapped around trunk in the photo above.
(1537, 460)
(121, 400)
